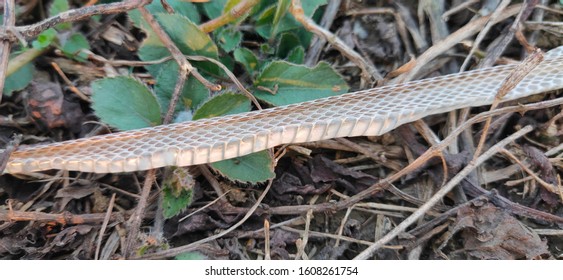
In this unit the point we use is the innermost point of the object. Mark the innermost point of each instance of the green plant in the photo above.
(272, 70)
(62, 37)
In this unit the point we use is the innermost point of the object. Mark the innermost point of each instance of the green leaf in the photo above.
(183, 116)
(193, 93)
(177, 192)
(173, 205)
(247, 58)
(267, 49)
(264, 21)
(74, 45)
(181, 7)
(57, 7)
(228, 61)
(214, 8)
(297, 55)
(288, 41)
(45, 39)
(265, 28)
(191, 255)
(230, 5)
(152, 49)
(187, 35)
(188, 38)
(268, 26)
(304, 36)
(19, 79)
(310, 6)
(229, 38)
(125, 103)
(222, 105)
(296, 83)
(281, 9)
(252, 168)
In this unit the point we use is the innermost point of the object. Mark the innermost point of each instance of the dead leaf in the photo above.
(199, 222)
(71, 234)
(71, 192)
(279, 241)
(324, 170)
(101, 202)
(490, 233)
(47, 107)
(288, 185)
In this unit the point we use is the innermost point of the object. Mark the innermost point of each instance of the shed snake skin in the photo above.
(368, 112)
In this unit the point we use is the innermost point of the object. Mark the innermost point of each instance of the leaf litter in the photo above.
(309, 208)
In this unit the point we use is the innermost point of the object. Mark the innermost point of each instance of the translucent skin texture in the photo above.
(368, 112)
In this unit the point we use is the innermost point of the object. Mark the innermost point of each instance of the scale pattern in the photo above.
(369, 112)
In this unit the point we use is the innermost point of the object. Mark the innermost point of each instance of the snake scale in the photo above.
(368, 112)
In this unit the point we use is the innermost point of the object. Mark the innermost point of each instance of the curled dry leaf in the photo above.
(325, 170)
(491, 233)
(48, 108)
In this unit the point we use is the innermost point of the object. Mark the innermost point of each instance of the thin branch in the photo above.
(185, 69)
(137, 217)
(317, 44)
(462, 6)
(231, 75)
(30, 31)
(192, 246)
(498, 46)
(182, 76)
(515, 77)
(22, 59)
(69, 83)
(305, 234)
(236, 12)
(431, 152)
(484, 32)
(367, 253)
(328, 235)
(173, 49)
(369, 72)
(365, 151)
(545, 184)
(104, 226)
(453, 39)
(65, 218)
(5, 44)
(204, 169)
(10, 148)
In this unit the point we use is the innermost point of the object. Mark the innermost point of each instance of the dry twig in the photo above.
(30, 31)
(5, 44)
(453, 39)
(369, 73)
(517, 75)
(190, 247)
(104, 226)
(367, 253)
(236, 12)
